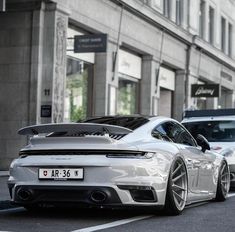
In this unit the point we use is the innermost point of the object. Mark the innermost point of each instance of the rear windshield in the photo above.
(131, 122)
(214, 131)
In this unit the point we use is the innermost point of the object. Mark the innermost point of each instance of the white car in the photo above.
(218, 127)
(128, 161)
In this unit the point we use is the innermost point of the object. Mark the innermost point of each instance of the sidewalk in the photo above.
(4, 173)
(4, 194)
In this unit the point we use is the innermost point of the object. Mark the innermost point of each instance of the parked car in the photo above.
(128, 161)
(218, 127)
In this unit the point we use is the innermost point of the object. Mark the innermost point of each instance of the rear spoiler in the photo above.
(72, 128)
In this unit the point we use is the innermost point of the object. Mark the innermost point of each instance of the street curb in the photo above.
(4, 173)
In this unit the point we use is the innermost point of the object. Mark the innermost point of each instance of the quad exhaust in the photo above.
(24, 194)
(98, 196)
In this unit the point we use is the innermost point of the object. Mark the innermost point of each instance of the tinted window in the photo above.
(160, 133)
(171, 131)
(130, 122)
(214, 131)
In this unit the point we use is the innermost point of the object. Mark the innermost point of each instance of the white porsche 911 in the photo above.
(117, 161)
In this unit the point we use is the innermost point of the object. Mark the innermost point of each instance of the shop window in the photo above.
(79, 81)
(76, 99)
(230, 39)
(129, 73)
(202, 19)
(201, 103)
(167, 8)
(179, 12)
(211, 24)
(127, 96)
(223, 35)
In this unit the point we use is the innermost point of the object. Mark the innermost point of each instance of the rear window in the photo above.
(214, 131)
(131, 122)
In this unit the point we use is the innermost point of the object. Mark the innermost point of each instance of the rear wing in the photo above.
(208, 113)
(89, 128)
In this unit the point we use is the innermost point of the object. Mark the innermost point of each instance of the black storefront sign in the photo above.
(90, 43)
(45, 111)
(211, 90)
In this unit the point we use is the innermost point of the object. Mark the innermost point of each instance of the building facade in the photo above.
(156, 50)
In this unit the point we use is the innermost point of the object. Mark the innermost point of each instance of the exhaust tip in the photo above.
(98, 196)
(24, 194)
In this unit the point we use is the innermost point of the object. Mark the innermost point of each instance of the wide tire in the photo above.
(223, 184)
(177, 188)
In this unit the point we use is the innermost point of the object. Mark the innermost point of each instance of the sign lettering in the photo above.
(90, 43)
(205, 90)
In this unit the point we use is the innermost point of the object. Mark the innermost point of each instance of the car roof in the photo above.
(203, 119)
(209, 115)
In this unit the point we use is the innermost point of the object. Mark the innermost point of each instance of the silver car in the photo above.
(112, 161)
(218, 127)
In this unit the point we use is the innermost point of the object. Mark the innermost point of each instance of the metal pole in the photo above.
(161, 49)
(160, 60)
(220, 89)
(188, 57)
(117, 47)
(198, 72)
(199, 65)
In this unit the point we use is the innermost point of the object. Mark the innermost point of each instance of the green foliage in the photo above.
(126, 99)
(77, 114)
(77, 84)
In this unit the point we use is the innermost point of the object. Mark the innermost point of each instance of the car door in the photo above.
(207, 172)
(201, 161)
(196, 160)
(170, 132)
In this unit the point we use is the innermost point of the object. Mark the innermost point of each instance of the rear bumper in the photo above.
(118, 180)
(80, 195)
(30, 194)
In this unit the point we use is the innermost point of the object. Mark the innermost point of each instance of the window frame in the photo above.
(202, 17)
(138, 86)
(230, 39)
(211, 25)
(223, 33)
(169, 139)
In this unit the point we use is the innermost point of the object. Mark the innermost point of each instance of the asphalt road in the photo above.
(206, 217)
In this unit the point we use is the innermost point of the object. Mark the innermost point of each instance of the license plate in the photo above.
(60, 174)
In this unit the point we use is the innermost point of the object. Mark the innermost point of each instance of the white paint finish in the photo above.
(113, 224)
(129, 64)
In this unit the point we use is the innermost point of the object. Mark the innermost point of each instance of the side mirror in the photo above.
(202, 142)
